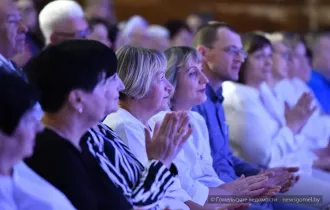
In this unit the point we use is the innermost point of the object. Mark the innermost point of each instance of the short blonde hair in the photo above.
(137, 67)
(178, 57)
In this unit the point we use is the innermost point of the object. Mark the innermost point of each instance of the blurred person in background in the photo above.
(63, 20)
(102, 9)
(272, 140)
(320, 79)
(12, 35)
(290, 63)
(34, 42)
(302, 67)
(293, 83)
(135, 32)
(195, 20)
(100, 31)
(116, 35)
(180, 33)
(317, 128)
(159, 37)
(317, 137)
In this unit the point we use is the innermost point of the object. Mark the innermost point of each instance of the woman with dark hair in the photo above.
(78, 86)
(99, 31)
(103, 31)
(20, 186)
(180, 33)
(261, 131)
(72, 79)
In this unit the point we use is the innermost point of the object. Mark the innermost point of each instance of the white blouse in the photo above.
(131, 131)
(26, 190)
(317, 128)
(258, 132)
(194, 162)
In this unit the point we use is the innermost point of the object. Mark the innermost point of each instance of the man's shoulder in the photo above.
(316, 79)
(3, 66)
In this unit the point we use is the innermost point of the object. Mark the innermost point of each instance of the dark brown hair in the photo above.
(252, 42)
(207, 34)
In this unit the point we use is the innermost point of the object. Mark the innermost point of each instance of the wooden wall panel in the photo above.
(246, 15)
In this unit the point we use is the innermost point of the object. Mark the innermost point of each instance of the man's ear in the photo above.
(203, 51)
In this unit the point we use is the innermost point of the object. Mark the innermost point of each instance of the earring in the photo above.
(80, 110)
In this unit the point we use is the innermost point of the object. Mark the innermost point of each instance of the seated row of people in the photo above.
(77, 162)
(89, 163)
(275, 137)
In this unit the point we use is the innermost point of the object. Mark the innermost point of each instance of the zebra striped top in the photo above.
(142, 186)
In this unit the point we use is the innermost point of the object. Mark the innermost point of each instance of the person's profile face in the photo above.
(12, 28)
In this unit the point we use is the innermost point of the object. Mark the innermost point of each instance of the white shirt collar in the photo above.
(6, 62)
(127, 115)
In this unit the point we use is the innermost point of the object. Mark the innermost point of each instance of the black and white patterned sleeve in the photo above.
(144, 186)
(156, 181)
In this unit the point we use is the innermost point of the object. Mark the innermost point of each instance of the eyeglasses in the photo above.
(236, 51)
(82, 34)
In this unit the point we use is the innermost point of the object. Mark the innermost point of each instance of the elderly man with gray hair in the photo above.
(159, 37)
(135, 33)
(12, 35)
(62, 20)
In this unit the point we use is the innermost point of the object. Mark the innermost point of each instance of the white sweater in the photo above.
(258, 131)
(194, 162)
(26, 190)
(317, 128)
(131, 131)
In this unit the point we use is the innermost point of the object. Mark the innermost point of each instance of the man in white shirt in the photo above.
(12, 34)
(290, 87)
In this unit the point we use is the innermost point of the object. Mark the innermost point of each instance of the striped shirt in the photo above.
(142, 186)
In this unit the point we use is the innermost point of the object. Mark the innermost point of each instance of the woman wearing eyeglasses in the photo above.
(260, 129)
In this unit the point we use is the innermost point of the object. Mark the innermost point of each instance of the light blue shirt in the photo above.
(226, 164)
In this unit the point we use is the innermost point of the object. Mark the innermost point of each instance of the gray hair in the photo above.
(134, 22)
(137, 67)
(178, 57)
(56, 12)
(158, 31)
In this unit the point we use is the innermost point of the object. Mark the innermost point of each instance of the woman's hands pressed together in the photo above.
(168, 138)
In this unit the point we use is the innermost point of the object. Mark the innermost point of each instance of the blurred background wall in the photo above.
(246, 15)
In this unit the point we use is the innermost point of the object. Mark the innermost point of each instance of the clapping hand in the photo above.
(247, 186)
(282, 177)
(168, 138)
(297, 116)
